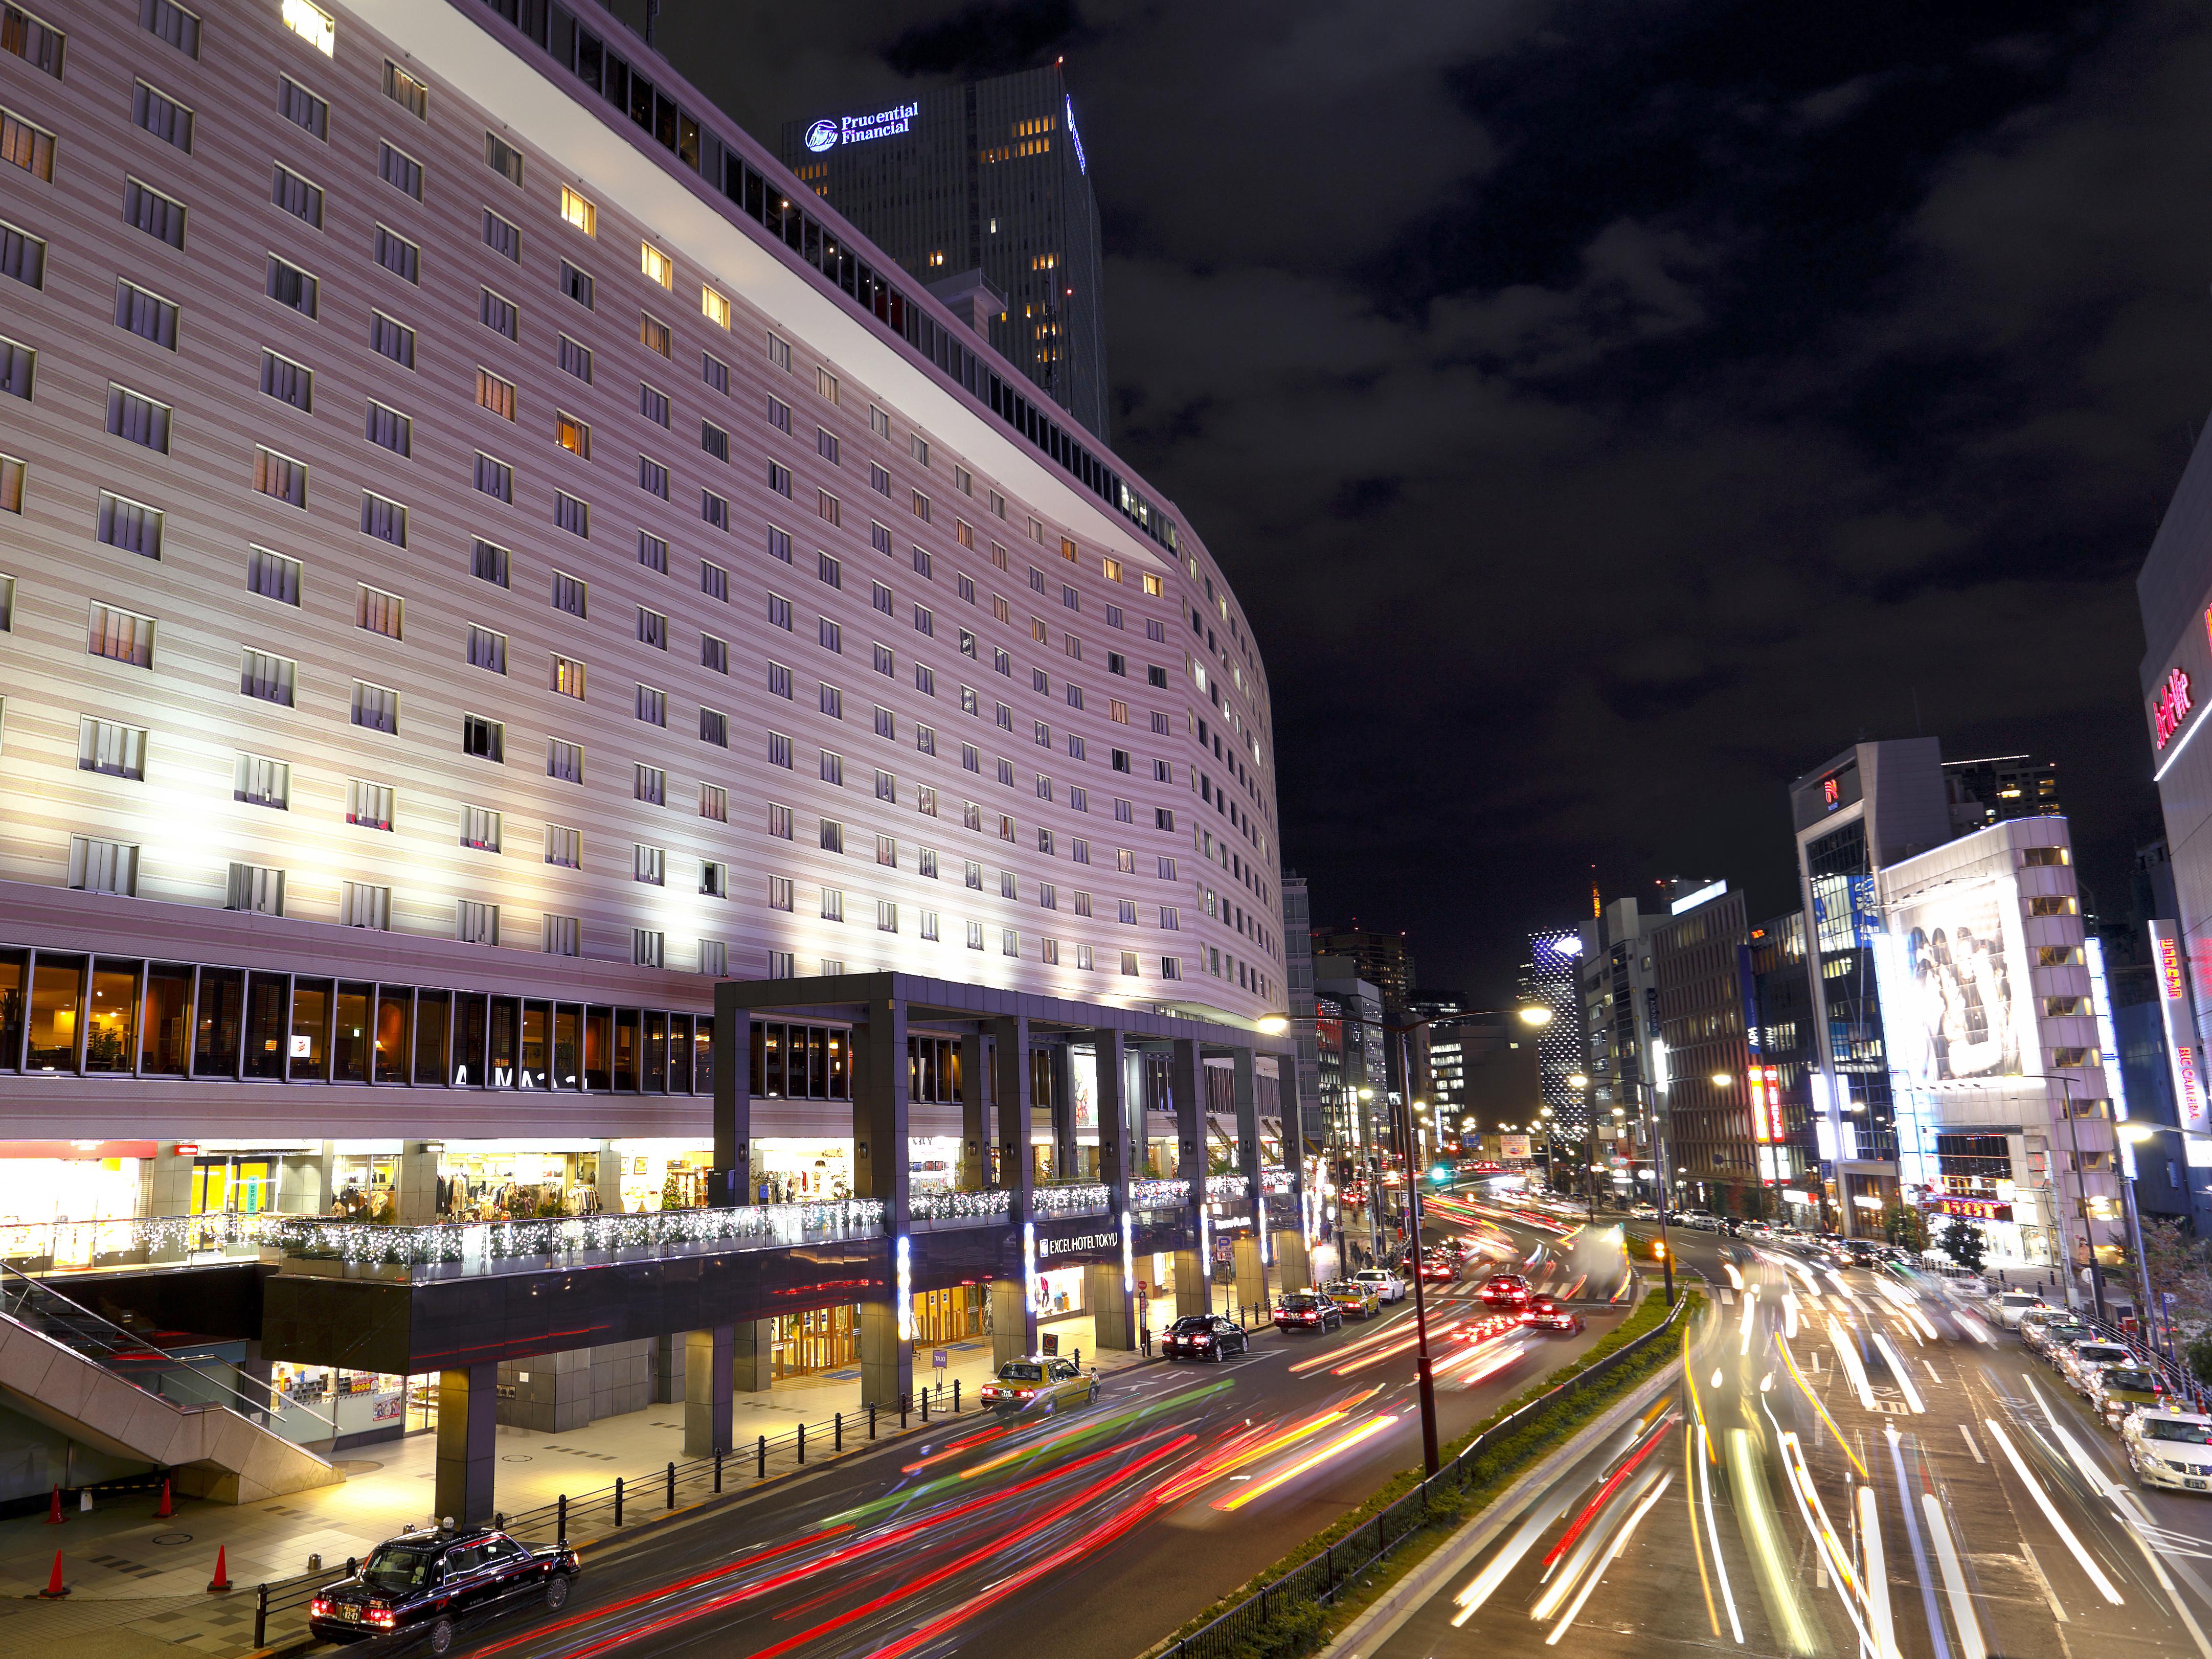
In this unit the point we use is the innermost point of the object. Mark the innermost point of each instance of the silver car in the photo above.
(2006, 1307)
(2081, 1362)
(2169, 1449)
(1384, 1283)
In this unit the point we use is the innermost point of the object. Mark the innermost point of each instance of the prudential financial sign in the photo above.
(826, 135)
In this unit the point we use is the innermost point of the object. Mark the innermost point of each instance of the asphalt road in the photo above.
(1087, 1534)
(1845, 1462)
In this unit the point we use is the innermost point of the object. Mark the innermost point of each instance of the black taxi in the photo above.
(431, 1581)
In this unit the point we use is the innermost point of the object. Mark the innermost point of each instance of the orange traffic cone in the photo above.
(54, 1515)
(218, 1585)
(165, 1510)
(55, 1589)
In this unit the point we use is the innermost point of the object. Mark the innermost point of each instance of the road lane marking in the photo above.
(1847, 1355)
(2051, 1514)
(1901, 1373)
(1876, 1568)
(1970, 1646)
(2035, 1571)
(1598, 1568)
(1712, 1532)
(1968, 1434)
(1933, 1375)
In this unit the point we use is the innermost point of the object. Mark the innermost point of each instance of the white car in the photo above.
(2006, 1307)
(2169, 1449)
(2079, 1361)
(1386, 1284)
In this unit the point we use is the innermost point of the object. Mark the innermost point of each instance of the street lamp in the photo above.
(1429, 1457)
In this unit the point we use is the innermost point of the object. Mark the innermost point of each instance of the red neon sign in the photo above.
(2169, 967)
(1974, 1209)
(2172, 708)
(1829, 793)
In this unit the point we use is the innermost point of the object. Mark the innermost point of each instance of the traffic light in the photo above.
(1440, 1174)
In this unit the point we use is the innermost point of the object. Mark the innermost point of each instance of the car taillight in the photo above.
(381, 1616)
(1201, 1340)
(1311, 1318)
(319, 1607)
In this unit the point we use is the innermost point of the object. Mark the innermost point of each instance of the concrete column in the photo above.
(165, 1189)
(752, 1364)
(416, 1183)
(729, 1180)
(667, 1368)
(1186, 1088)
(1112, 1309)
(468, 1429)
(1291, 1259)
(1013, 1321)
(1244, 1099)
(304, 1183)
(708, 1357)
(1251, 1271)
(975, 1125)
(880, 1090)
(1065, 1160)
(610, 1182)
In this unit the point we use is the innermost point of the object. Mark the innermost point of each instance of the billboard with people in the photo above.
(1970, 1012)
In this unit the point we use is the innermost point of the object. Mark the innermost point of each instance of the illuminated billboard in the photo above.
(1967, 1011)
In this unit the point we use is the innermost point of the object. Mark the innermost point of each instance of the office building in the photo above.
(1383, 960)
(1298, 984)
(988, 179)
(1998, 787)
(1699, 969)
(1548, 981)
(487, 562)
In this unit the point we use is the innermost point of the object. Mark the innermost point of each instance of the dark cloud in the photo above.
(1609, 413)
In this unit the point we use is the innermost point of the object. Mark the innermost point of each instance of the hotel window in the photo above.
(376, 706)
(656, 265)
(270, 678)
(826, 506)
(391, 339)
(475, 923)
(502, 158)
(779, 612)
(713, 580)
(829, 570)
(714, 653)
(715, 728)
(833, 701)
(778, 352)
(404, 90)
(361, 904)
(399, 170)
(833, 768)
(885, 663)
(139, 419)
(564, 761)
(779, 680)
(975, 935)
(156, 112)
(649, 865)
(886, 917)
(398, 255)
(652, 786)
(378, 612)
(256, 888)
(497, 313)
(825, 384)
(714, 308)
(23, 256)
(108, 746)
(564, 935)
(652, 706)
(570, 593)
(161, 217)
(388, 428)
(887, 783)
(120, 636)
(1170, 968)
(1167, 869)
(18, 367)
(130, 526)
(572, 435)
(878, 480)
(501, 236)
(577, 285)
(302, 109)
(779, 892)
(778, 821)
(480, 828)
(272, 575)
(1129, 963)
(579, 212)
(288, 382)
(778, 749)
(714, 509)
(487, 650)
(716, 372)
(384, 519)
(1010, 942)
(654, 334)
(564, 847)
(825, 444)
(368, 804)
(715, 802)
(779, 413)
(714, 440)
(652, 477)
(880, 538)
(496, 394)
(833, 904)
(485, 738)
(832, 637)
(571, 514)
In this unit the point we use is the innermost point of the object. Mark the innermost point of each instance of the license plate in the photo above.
(2196, 1486)
(351, 1614)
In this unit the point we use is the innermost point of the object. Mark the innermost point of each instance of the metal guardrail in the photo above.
(1320, 1578)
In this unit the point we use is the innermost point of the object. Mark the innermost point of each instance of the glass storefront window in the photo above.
(394, 1005)
(311, 1024)
(349, 1033)
(626, 1050)
(166, 1024)
(566, 1043)
(57, 988)
(268, 998)
(506, 1017)
(656, 1053)
(111, 1035)
(14, 966)
(702, 1056)
(471, 1018)
(599, 1047)
(536, 1018)
(432, 1013)
(221, 1014)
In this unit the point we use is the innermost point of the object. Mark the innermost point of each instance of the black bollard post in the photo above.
(802, 1442)
(871, 1422)
(717, 1471)
(560, 1524)
(955, 1396)
(762, 1474)
(618, 1498)
(837, 1429)
(670, 1503)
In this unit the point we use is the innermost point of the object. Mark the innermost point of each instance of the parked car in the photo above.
(2116, 1390)
(1384, 1283)
(1547, 1313)
(2051, 1337)
(428, 1581)
(2007, 1307)
(1505, 1291)
(1307, 1310)
(1440, 1267)
(2078, 1362)
(2169, 1449)
(1353, 1299)
(1204, 1336)
(1044, 1383)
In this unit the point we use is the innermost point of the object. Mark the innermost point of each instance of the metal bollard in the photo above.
(902, 1410)
(561, 1520)
(670, 1503)
(837, 1430)
(761, 1473)
(924, 1402)
(618, 1498)
(261, 1615)
(1079, 1360)
(717, 1471)
(802, 1442)
(955, 1396)
(871, 1422)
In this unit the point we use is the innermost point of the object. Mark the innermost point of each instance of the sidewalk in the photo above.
(137, 1586)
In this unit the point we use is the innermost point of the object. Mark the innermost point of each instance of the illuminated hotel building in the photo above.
(483, 554)
(992, 178)
(1547, 978)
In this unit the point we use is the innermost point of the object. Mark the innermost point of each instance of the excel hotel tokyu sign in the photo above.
(2172, 705)
(828, 134)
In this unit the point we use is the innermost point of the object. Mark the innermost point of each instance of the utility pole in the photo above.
(1429, 1459)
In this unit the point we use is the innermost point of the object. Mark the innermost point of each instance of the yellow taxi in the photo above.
(1353, 1299)
(1044, 1383)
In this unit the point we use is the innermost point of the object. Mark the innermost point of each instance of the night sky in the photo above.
(1608, 412)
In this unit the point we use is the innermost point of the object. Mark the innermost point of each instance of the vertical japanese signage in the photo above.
(2185, 1054)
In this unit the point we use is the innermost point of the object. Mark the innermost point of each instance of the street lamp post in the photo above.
(1580, 1084)
(1429, 1458)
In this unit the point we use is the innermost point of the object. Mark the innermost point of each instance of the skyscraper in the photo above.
(1547, 980)
(1384, 961)
(990, 177)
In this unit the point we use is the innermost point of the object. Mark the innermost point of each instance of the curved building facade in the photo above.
(480, 563)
